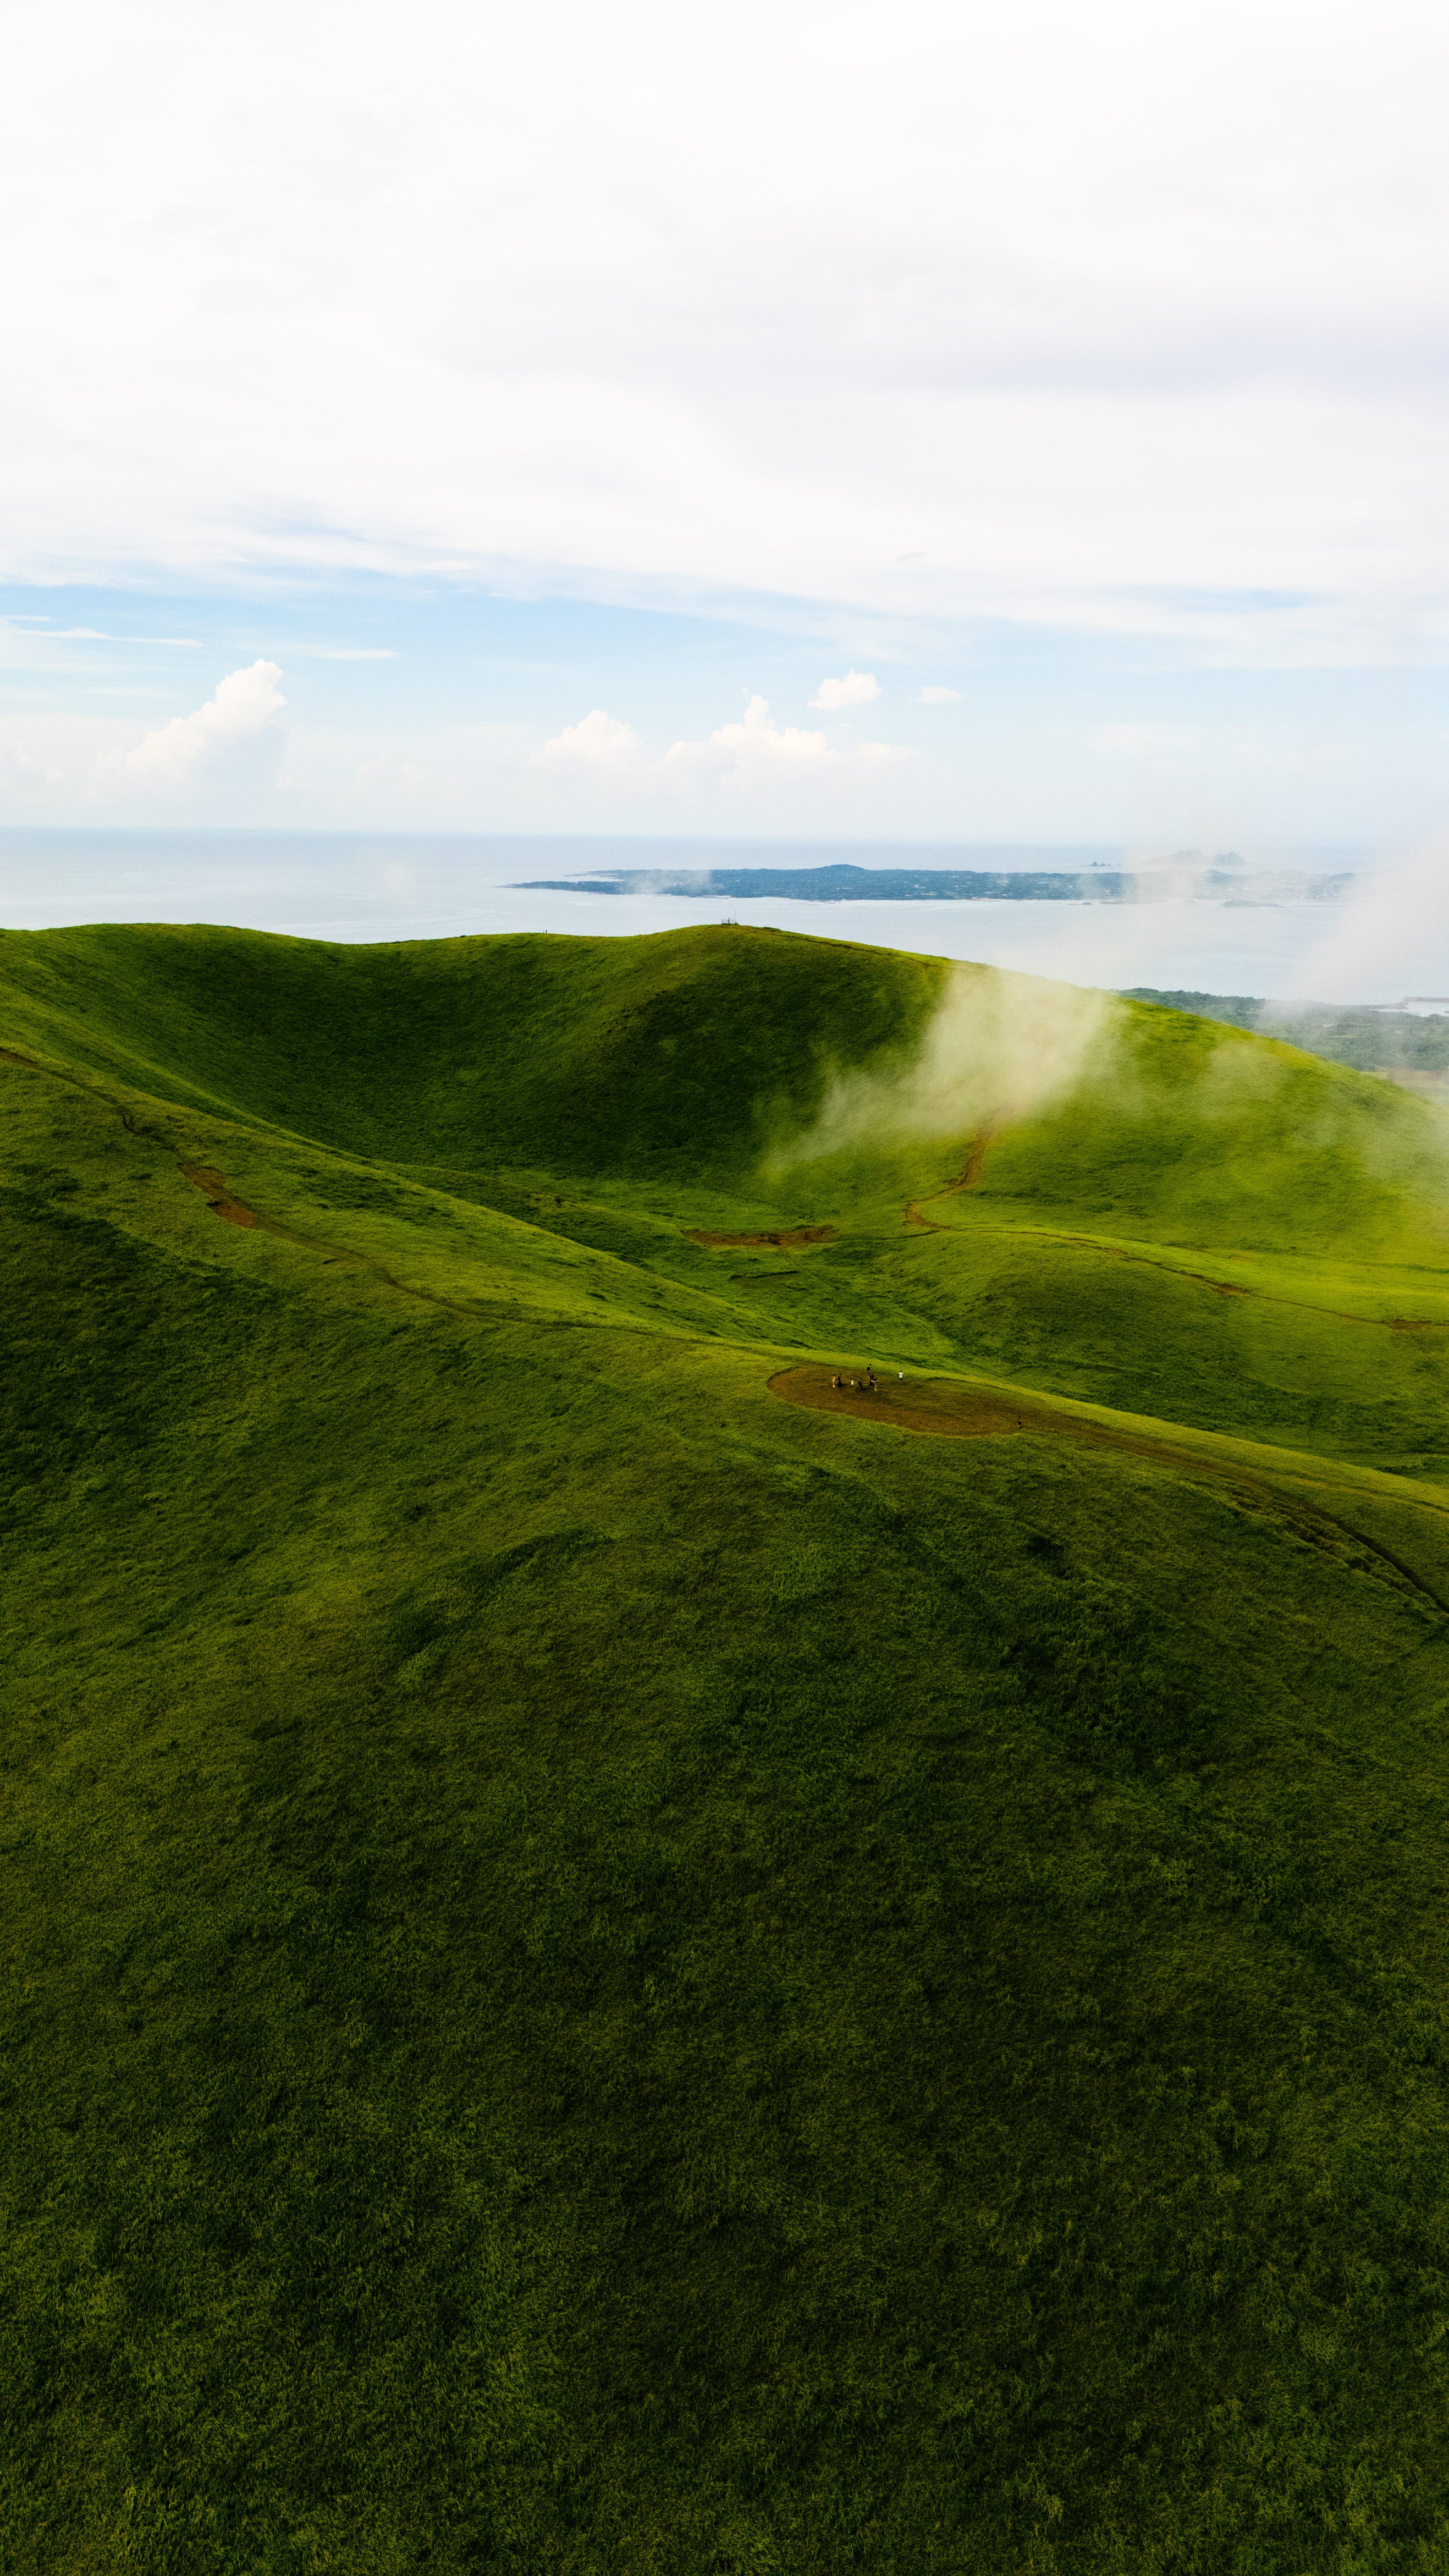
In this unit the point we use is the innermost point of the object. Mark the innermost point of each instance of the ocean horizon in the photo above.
(382, 886)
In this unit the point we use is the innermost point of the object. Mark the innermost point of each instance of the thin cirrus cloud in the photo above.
(939, 696)
(39, 630)
(754, 749)
(98, 635)
(241, 719)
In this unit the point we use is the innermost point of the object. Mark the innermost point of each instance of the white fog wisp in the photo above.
(998, 1046)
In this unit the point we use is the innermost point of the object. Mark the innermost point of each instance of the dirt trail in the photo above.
(1144, 1260)
(1220, 1287)
(952, 1189)
(89, 1091)
(222, 1202)
(341, 1256)
(219, 1198)
(944, 1409)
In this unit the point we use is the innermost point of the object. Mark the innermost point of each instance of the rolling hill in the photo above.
(620, 1957)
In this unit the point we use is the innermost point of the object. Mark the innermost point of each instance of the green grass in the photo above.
(607, 1974)
(1371, 1038)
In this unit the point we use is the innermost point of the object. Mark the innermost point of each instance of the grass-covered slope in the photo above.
(586, 1055)
(1206, 1225)
(607, 1973)
(1371, 1036)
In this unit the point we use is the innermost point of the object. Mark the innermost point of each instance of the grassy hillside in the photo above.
(1370, 1036)
(611, 1973)
(587, 1055)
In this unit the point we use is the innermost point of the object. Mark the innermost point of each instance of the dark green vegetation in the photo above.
(605, 1974)
(1369, 1039)
(847, 882)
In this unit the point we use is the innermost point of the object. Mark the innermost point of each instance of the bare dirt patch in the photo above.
(798, 1238)
(934, 1405)
(944, 1409)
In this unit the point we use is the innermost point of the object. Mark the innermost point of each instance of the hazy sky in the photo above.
(943, 421)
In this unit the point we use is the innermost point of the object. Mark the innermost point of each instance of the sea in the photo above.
(1384, 943)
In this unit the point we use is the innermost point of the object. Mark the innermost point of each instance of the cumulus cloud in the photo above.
(598, 742)
(754, 749)
(856, 689)
(242, 718)
(938, 696)
(758, 745)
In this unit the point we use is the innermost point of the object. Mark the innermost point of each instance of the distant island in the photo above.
(1187, 875)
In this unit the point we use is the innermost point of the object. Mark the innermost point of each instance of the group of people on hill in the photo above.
(859, 1385)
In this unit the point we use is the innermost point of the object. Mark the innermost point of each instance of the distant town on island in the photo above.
(1188, 875)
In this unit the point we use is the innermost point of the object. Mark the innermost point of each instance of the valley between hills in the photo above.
(621, 1958)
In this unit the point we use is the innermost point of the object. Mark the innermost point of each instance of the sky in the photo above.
(939, 423)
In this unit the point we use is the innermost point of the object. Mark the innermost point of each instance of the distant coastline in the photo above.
(1186, 877)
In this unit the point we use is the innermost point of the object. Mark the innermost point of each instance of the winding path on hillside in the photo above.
(951, 1189)
(223, 1202)
(945, 1408)
(234, 1211)
(919, 1223)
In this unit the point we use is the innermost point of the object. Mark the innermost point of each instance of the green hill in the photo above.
(619, 1959)
(1372, 1036)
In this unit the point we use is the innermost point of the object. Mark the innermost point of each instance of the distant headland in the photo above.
(1188, 875)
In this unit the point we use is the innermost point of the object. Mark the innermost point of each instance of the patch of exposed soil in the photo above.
(798, 1238)
(943, 1408)
(960, 1412)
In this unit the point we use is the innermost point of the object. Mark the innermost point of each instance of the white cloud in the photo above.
(599, 742)
(992, 1041)
(243, 717)
(759, 747)
(756, 743)
(939, 697)
(856, 690)
(752, 753)
(1088, 327)
(98, 635)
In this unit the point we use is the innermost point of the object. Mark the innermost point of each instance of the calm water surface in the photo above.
(357, 886)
